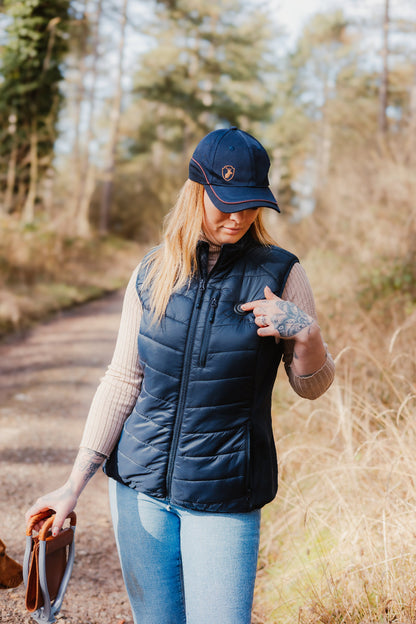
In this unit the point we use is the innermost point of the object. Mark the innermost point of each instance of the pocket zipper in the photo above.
(213, 305)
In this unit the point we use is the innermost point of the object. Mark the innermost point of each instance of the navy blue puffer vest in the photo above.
(200, 434)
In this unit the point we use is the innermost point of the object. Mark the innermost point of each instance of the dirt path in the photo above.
(47, 380)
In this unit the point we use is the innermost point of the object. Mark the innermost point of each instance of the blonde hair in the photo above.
(173, 264)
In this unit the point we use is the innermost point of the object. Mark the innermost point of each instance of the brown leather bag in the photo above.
(47, 565)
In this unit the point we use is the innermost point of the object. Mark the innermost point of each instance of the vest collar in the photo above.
(229, 253)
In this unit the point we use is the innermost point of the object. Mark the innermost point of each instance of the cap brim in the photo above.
(236, 198)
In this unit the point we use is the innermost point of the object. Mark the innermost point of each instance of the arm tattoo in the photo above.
(289, 320)
(88, 462)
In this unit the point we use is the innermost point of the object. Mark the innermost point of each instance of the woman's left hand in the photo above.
(279, 318)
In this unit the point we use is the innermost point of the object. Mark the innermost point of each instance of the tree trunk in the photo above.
(411, 137)
(76, 146)
(46, 192)
(87, 171)
(324, 146)
(11, 180)
(114, 132)
(88, 184)
(11, 167)
(28, 213)
(382, 117)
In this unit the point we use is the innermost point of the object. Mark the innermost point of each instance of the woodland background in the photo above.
(101, 105)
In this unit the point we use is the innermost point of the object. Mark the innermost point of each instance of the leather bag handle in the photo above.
(49, 515)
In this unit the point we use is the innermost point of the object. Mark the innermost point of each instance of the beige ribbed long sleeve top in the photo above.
(119, 388)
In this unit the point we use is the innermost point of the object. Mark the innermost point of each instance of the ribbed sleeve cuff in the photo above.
(314, 385)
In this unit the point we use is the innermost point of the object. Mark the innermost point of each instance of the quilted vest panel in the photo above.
(200, 434)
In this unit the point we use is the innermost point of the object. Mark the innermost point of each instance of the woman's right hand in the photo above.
(62, 501)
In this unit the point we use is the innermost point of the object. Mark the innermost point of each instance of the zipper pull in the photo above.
(202, 287)
(214, 305)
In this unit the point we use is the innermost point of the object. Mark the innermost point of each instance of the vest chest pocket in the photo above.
(212, 309)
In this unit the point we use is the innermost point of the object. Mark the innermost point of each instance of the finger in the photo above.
(39, 525)
(250, 305)
(57, 526)
(261, 320)
(269, 294)
(60, 518)
(35, 509)
(267, 331)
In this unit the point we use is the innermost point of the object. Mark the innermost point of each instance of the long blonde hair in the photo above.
(173, 264)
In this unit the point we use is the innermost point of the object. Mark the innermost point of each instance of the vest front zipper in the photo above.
(184, 383)
(213, 305)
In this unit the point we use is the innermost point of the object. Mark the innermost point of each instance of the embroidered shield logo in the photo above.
(228, 172)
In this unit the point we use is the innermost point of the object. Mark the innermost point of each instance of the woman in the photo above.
(182, 416)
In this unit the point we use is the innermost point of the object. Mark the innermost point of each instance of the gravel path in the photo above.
(47, 380)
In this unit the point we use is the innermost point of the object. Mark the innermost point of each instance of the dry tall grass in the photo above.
(339, 541)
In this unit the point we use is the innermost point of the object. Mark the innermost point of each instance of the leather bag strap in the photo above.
(49, 515)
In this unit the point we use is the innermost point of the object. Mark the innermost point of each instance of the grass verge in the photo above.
(42, 272)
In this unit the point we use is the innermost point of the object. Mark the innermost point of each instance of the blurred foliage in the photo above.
(29, 93)
(43, 271)
(388, 279)
(204, 66)
(207, 65)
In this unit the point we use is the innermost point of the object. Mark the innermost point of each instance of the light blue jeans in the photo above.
(182, 566)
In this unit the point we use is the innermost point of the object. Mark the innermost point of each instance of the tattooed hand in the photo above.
(279, 318)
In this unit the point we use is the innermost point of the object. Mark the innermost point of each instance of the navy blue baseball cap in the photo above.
(233, 167)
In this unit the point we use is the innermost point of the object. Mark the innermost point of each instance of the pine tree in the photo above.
(208, 65)
(30, 97)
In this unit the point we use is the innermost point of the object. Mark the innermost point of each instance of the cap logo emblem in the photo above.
(228, 172)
